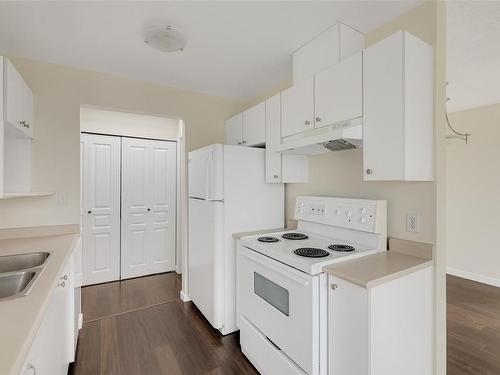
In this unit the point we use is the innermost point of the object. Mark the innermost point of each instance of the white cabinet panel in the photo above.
(328, 48)
(280, 167)
(53, 346)
(398, 107)
(297, 108)
(18, 100)
(101, 208)
(384, 329)
(234, 130)
(339, 92)
(254, 125)
(148, 207)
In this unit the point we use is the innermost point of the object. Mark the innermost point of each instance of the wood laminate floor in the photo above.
(140, 326)
(473, 327)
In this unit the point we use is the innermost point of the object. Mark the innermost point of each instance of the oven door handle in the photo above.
(268, 263)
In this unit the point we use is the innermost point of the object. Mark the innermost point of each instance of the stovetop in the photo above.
(308, 255)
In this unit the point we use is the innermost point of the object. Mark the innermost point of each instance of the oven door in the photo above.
(283, 304)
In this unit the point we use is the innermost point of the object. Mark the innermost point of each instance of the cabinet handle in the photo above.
(62, 284)
(369, 171)
(244, 142)
(89, 212)
(239, 143)
(334, 286)
(275, 176)
(307, 122)
(318, 119)
(29, 367)
(149, 209)
(65, 277)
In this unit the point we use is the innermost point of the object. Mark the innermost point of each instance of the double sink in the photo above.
(19, 272)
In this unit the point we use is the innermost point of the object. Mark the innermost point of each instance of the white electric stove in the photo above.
(281, 287)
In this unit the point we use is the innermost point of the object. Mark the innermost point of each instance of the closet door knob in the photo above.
(369, 171)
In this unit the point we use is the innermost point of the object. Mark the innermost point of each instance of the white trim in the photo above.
(80, 321)
(184, 297)
(473, 276)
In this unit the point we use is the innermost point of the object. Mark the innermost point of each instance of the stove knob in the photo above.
(349, 213)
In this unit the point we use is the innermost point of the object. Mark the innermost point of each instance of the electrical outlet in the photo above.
(412, 222)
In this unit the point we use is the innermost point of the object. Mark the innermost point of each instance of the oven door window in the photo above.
(271, 292)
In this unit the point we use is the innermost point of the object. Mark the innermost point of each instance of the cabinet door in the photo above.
(273, 139)
(297, 108)
(101, 202)
(234, 130)
(18, 100)
(162, 214)
(339, 92)
(273, 167)
(254, 125)
(348, 331)
(383, 130)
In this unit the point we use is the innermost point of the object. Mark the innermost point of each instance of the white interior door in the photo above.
(163, 198)
(136, 175)
(148, 207)
(101, 208)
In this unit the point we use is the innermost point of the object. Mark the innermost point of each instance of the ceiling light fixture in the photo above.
(165, 38)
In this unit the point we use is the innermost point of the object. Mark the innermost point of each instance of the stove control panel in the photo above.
(360, 214)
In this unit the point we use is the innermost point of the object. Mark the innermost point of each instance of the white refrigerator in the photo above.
(227, 194)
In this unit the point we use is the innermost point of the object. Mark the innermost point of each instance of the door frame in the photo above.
(181, 193)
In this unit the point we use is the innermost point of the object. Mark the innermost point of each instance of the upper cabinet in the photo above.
(254, 125)
(328, 48)
(297, 108)
(338, 92)
(234, 130)
(247, 128)
(281, 168)
(18, 99)
(16, 132)
(398, 110)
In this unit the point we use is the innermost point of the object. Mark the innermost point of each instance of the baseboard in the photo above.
(80, 321)
(473, 276)
(184, 297)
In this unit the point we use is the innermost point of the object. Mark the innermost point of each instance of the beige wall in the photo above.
(473, 189)
(96, 120)
(59, 92)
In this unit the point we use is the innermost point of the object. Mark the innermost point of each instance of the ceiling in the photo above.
(473, 54)
(235, 49)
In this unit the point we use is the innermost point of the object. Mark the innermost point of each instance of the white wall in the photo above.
(473, 196)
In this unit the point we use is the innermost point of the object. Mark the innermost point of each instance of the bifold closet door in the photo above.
(148, 207)
(100, 174)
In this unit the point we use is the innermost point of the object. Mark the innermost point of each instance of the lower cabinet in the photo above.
(54, 345)
(385, 329)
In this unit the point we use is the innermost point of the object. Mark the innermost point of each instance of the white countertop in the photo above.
(21, 317)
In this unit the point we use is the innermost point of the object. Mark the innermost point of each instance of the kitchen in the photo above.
(302, 133)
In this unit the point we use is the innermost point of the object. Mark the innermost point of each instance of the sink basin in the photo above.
(19, 262)
(15, 283)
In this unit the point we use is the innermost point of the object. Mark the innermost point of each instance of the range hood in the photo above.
(345, 135)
